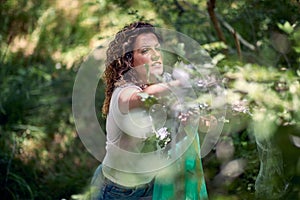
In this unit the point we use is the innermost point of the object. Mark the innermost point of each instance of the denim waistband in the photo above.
(146, 185)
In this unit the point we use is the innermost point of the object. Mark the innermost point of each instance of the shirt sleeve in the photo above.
(136, 122)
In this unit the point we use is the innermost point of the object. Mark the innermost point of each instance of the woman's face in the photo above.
(147, 59)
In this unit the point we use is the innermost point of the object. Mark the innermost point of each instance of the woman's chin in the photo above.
(157, 71)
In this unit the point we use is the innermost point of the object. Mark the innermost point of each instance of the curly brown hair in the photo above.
(119, 57)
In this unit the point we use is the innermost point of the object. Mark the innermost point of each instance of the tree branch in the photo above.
(238, 45)
(211, 4)
(216, 18)
(181, 9)
(238, 36)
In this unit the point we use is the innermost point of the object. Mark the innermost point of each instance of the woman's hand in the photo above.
(207, 123)
(182, 76)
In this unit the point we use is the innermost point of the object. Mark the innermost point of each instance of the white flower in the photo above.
(162, 133)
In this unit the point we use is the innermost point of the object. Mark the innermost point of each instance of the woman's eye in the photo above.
(144, 51)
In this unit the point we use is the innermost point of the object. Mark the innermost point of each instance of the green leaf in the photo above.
(297, 49)
(286, 27)
(150, 144)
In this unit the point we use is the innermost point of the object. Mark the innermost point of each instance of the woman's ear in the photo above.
(129, 56)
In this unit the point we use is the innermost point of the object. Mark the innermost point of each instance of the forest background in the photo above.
(254, 43)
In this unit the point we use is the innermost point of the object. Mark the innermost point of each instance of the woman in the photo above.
(134, 66)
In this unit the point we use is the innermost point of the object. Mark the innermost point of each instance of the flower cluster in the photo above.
(163, 137)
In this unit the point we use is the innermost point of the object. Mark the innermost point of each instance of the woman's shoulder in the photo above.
(124, 89)
(128, 86)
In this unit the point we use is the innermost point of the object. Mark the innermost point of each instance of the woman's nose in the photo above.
(155, 55)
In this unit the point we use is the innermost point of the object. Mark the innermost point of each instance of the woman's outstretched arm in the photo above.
(130, 99)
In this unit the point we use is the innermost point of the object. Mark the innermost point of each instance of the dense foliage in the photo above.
(256, 47)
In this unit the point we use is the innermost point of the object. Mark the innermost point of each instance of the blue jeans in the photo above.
(109, 190)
